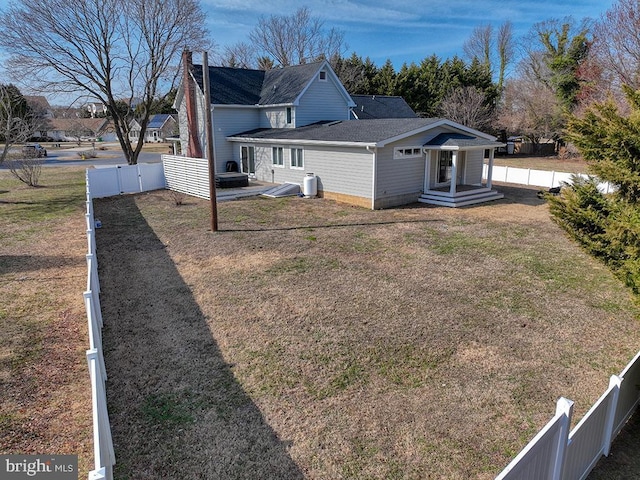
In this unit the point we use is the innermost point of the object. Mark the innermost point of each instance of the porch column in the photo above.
(454, 173)
(427, 171)
(490, 169)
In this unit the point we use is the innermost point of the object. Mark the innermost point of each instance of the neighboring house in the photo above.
(380, 106)
(40, 104)
(285, 124)
(76, 129)
(161, 127)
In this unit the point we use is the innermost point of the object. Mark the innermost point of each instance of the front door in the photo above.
(445, 163)
(248, 157)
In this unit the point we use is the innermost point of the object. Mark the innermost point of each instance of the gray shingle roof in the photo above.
(381, 106)
(460, 140)
(240, 86)
(157, 120)
(350, 131)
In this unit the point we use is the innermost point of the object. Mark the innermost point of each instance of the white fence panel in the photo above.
(591, 438)
(187, 175)
(151, 176)
(542, 458)
(129, 178)
(541, 178)
(103, 182)
(629, 393)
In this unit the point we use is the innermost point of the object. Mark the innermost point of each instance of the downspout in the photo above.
(193, 146)
(373, 151)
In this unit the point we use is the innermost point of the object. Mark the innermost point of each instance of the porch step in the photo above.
(461, 199)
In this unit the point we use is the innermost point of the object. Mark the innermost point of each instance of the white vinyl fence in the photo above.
(537, 178)
(104, 456)
(109, 181)
(555, 453)
(187, 175)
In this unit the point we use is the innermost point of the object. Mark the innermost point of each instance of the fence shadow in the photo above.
(624, 459)
(175, 408)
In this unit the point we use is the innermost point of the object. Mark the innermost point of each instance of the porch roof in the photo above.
(460, 141)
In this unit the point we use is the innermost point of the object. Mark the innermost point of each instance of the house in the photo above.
(380, 106)
(40, 105)
(161, 126)
(75, 129)
(286, 124)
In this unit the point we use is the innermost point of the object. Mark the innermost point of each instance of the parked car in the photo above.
(34, 150)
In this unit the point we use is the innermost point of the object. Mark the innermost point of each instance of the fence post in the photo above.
(614, 384)
(564, 408)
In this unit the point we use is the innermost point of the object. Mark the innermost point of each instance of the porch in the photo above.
(451, 176)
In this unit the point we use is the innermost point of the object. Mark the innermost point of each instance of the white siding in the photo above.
(321, 101)
(344, 170)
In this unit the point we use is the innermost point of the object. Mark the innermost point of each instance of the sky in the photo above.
(399, 30)
(403, 31)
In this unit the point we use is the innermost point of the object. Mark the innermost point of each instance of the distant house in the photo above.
(40, 104)
(161, 127)
(380, 106)
(286, 124)
(80, 129)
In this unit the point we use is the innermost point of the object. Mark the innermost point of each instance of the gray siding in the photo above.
(339, 170)
(229, 121)
(321, 101)
(475, 159)
(276, 117)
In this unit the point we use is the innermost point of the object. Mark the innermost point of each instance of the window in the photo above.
(445, 162)
(248, 159)
(323, 76)
(297, 160)
(407, 152)
(288, 115)
(277, 157)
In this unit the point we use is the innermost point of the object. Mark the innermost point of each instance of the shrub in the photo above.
(27, 170)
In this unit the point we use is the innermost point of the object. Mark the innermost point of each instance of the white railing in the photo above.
(104, 456)
(555, 453)
(537, 178)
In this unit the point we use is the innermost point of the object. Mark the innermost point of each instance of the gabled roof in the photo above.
(70, 124)
(158, 120)
(459, 141)
(279, 86)
(381, 106)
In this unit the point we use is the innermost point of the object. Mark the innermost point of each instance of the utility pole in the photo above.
(209, 129)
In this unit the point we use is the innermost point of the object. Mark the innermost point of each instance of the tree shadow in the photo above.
(32, 263)
(175, 407)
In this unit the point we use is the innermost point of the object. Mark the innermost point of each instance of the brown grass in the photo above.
(45, 394)
(550, 163)
(310, 339)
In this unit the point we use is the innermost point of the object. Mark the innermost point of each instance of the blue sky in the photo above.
(401, 30)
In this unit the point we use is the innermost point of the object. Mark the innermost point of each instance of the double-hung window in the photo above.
(297, 158)
(277, 156)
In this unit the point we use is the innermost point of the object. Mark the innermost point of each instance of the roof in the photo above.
(66, 124)
(381, 106)
(371, 132)
(158, 120)
(240, 86)
(457, 141)
(37, 101)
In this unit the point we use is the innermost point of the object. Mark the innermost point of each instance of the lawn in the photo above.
(45, 394)
(550, 163)
(310, 339)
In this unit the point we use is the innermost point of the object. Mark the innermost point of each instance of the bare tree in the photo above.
(27, 170)
(17, 121)
(617, 45)
(530, 108)
(296, 39)
(468, 106)
(492, 48)
(112, 50)
(239, 55)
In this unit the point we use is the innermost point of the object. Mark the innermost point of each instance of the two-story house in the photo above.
(284, 124)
